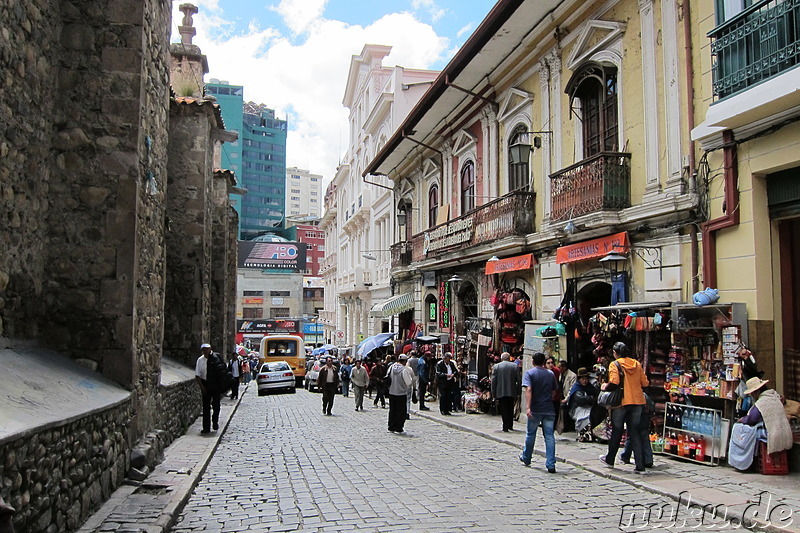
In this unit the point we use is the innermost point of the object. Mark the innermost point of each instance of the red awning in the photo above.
(593, 249)
(520, 262)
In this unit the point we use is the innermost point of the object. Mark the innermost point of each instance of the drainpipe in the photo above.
(688, 62)
(730, 207)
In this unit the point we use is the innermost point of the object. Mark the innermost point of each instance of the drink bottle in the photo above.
(700, 455)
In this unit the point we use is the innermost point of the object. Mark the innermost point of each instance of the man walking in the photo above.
(413, 364)
(505, 387)
(359, 379)
(422, 380)
(540, 390)
(235, 368)
(401, 381)
(328, 378)
(206, 372)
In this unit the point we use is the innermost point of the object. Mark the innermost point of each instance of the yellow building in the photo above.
(748, 110)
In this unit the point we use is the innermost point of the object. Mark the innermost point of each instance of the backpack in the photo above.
(219, 378)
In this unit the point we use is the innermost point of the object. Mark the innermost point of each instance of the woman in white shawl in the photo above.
(768, 408)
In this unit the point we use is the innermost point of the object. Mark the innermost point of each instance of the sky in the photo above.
(294, 56)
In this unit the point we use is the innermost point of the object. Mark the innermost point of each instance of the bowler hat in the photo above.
(583, 373)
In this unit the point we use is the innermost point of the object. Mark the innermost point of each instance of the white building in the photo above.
(359, 223)
(303, 193)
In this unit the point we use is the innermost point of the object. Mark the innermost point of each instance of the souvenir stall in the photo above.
(691, 356)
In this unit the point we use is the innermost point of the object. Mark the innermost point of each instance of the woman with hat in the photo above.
(768, 408)
(580, 400)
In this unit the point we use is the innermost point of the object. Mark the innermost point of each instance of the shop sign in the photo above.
(251, 300)
(277, 301)
(272, 255)
(444, 304)
(593, 249)
(509, 264)
(448, 235)
(432, 312)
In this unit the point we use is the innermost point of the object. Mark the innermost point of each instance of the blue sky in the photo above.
(293, 55)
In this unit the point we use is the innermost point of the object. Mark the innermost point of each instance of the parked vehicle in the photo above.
(275, 375)
(288, 348)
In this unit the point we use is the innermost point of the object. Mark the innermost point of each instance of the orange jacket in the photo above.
(635, 379)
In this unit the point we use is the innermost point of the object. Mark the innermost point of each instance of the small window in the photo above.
(433, 205)
(252, 312)
(253, 293)
(467, 187)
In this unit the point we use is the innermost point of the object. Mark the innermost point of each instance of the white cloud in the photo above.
(465, 29)
(430, 6)
(306, 80)
(298, 15)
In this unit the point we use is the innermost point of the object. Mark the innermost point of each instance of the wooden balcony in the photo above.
(508, 216)
(401, 254)
(600, 182)
(757, 44)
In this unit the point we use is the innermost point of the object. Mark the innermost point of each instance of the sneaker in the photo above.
(526, 463)
(641, 472)
(623, 460)
(605, 463)
(551, 470)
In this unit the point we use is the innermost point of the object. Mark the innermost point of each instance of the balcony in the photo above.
(508, 216)
(759, 43)
(600, 182)
(401, 254)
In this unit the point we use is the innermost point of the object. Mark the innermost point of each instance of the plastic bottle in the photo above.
(692, 447)
(700, 454)
(686, 446)
(680, 444)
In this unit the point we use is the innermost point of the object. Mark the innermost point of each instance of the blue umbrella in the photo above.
(328, 347)
(318, 351)
(370, 344)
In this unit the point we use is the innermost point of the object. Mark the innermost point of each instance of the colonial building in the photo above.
(558, 134)
(360, 225)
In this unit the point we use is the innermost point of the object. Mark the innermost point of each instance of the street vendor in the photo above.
(768, 408)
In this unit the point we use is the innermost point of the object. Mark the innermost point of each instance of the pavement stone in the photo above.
(334, 478)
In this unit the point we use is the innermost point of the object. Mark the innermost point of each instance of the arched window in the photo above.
(467, 187)
(595, 87)
(433, 205)
(518, 172)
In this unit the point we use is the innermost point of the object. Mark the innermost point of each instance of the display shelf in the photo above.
(710, 437)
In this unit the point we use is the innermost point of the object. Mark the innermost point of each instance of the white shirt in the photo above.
(235, 368)
(201, 368)
(329, 375)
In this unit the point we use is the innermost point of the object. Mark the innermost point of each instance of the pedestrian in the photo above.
(580, 400)
(359, 379)
(207, 372)
(235, 368)
(246, 370)
(422, 380)
(328, 379)
(376, 379)
(455, 390)
(446, 373)
(413, 364)
(505, 387)
(644, 435)
(566, 379)
(344, 374)
(626, 373)
(540, 387)
(400, 377)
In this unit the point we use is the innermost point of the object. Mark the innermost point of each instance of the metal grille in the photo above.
(600, 182)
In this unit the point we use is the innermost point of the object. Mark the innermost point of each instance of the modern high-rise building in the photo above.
(303, 194)
(258, 158)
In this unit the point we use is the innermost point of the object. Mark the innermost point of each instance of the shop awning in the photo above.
(509, 264)
(392, 306)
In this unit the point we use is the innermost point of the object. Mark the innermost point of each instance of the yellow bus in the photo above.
(289, 348)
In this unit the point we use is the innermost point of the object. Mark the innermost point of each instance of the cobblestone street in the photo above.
(283, 466)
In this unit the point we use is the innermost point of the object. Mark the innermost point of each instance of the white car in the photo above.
(275, 375)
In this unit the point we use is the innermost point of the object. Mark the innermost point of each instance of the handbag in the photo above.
(612, 399)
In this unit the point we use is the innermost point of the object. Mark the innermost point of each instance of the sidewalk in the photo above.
(154, 506)
(757, 498)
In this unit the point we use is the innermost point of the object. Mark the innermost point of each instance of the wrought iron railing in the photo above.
(401, 254)
(509, 215)
(600, 182)
(757, 44)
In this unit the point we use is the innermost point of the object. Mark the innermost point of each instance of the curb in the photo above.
(731, 516)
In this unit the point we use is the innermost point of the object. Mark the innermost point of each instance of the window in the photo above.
(433, 205)
(295, 177)
(518, 173)
(295, 198)
(595, 87)
(313, 200)
(727, 9)
(252, 312)
(253, 293)
(296, 191)
(467, 187)
(313, 193)
(321, 247)
(314, 179)
(279, 293)
(279, 312)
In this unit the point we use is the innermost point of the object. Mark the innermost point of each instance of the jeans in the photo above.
(210, 410)
(358, 392)
(379, 395)
(626, 415)
(644, 438)
(345, 388)
(397, 412)
(548, 423)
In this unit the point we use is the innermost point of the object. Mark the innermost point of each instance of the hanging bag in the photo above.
(612, 399)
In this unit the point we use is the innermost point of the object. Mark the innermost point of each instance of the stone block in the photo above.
(121, 60)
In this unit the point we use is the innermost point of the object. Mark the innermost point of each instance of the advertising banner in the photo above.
(272, 255)
(266, 326)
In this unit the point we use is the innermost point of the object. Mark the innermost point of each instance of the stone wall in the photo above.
(56, 477)
(27, 101)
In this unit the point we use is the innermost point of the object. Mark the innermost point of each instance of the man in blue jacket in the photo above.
(422, 385)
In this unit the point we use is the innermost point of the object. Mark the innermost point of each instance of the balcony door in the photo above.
(593, 93)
